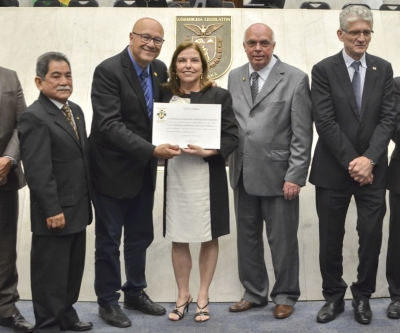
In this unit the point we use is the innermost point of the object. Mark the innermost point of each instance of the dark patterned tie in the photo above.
(143, 82)
(68, 114)
(254, 85)
(356, 82)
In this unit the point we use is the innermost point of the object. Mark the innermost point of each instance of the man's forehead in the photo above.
(259, 32)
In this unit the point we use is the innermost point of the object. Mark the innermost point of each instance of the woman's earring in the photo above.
(201, 76)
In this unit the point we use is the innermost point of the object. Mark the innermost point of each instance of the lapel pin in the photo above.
(155, 74)
(243, 79)
(374, 68)
(78, 118)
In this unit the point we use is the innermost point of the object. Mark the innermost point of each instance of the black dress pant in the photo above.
(332, 206)
(8, 253)
(57, 264)
(393, 251)
(133, 216)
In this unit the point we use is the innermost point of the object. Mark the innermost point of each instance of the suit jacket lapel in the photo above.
(79, 126)
(245, 83)
(342, 74)
(59, 118)
(274, 77)
(369, 82)
(133, 79)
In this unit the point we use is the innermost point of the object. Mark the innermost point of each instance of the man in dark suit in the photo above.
(54, 151)
(12, 104)
(268, 169)
(393, 185)
(353, 109)
(124, 165)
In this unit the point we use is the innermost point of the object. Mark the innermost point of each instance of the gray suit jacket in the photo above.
(12, 104)
(275, 133)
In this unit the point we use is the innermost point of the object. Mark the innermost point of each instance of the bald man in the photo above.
(124, 165)
(272, 106)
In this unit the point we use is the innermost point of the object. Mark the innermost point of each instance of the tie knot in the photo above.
(66, 109)
(144, 74)
(254, 76)
(356, 65)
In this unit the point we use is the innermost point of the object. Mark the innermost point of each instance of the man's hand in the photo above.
(290, 190)
(166, 151)
(5, 166)
(199, 151)
(3, 181)
(368, 180)
(56, 221)
(360, 169)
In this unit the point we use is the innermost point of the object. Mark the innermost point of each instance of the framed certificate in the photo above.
(183, 124)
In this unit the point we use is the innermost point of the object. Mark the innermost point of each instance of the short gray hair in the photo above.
(42, 63)
(355, 13)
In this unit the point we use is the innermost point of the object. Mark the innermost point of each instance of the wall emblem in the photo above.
(214, 34)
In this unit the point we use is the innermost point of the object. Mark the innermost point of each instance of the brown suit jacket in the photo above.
(12, 104)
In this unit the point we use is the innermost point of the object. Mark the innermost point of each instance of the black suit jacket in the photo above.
(393, 176)
(56, 166)
(120, 138)
(12, 104)
(343, 135)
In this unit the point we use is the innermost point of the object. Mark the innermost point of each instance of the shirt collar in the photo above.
(138, 69)
(349, 60)
(265, 71)
(57, 103)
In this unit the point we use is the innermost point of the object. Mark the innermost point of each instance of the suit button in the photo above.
(241, 153)
(247, 134)
(361, 125)
(87, 194)
(251, 115)
(85, 177)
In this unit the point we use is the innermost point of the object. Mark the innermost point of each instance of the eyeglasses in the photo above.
(357, 33)
(253, 43)
(146, 39)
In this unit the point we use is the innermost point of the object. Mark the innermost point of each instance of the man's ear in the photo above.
(38, 82)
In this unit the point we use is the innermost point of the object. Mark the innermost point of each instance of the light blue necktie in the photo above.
(356, 82)
(143, 82)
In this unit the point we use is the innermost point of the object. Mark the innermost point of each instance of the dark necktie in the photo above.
(254, 85)
(143, 82)
(68, 114)
(356, 82)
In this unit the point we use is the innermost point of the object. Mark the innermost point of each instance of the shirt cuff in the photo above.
(13, 161)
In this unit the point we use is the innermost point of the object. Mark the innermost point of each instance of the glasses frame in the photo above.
(357, 33)
(258, 43)
(156, 40)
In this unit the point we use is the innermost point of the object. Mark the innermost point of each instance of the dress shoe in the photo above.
(143, 303)
(79, 326)
(17, 323)
(283, 311)
(362, 311)
(240, 306)
(393, 310)
(114, 316)
(329, 311)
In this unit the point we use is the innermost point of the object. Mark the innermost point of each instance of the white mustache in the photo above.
(64, 88)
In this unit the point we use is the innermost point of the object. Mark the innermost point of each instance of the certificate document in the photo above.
(183, 124)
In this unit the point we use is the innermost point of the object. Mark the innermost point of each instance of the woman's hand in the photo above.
(199, 151)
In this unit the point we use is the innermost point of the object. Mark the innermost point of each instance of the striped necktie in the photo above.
(254, 85)
(143, 82)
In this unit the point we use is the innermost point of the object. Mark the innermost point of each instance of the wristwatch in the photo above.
(372, 162)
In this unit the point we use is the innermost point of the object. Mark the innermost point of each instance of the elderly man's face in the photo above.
(57, 84)
(356, 38)
(145, 52)
(258, 46)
